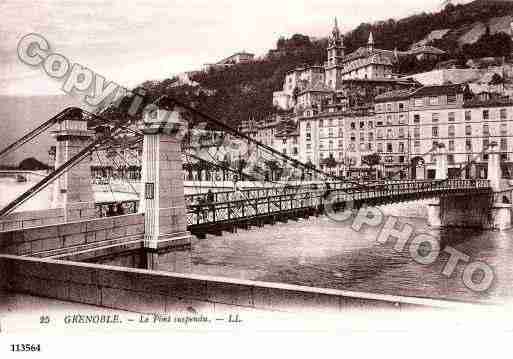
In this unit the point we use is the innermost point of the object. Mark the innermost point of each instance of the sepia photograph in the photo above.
(183, 168)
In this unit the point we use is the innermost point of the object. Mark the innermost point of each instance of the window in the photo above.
(434, 131)
(379, 123)
(451, 130)
(504, 144)
(401, 107)
(371, 136)
(362, 136)
(451, 98)
(308, 126)
(401, 132)
(362, 147)
(416, 146)
(284, 151)
(340, 132)
(433, 100)
(321, 123)
(353, 136)
(389, 107)
(389, 147)
(362, 124)
(451, 117)
(486, 130)
(486, 114)
(416, 132)
(486, 142)
(435, 116)
(379, 134)
(340, 143)
(450, 159)
(308, 146)
(353, 125)
(330, 132)
(504, 129)
(308, 136)
(416, 118)
(380, 147)
(330, 145)
(503, 114)
(401, 147)
(419, 102)
(284, 141)
(451, 145)
(371, 124)
(468, 145)
(330, 122)
(389, 120)
(378, 108)
(468, 130)
(390, 133)
(468, 115)
(321, 145)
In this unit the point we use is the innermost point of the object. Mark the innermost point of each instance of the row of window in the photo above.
(418, 102)
(435, 117)
(402, 133)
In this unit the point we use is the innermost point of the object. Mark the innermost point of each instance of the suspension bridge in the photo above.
(238, 183)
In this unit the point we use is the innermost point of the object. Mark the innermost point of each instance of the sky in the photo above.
(130, 41)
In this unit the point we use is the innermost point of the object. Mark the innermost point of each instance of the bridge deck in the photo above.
(254, 207)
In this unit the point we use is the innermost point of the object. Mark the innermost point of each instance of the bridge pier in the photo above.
(501, 212)
(471, 211)
(163, 203)
(73, 190)
(441, 173)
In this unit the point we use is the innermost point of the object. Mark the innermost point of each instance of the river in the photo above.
(319, 252)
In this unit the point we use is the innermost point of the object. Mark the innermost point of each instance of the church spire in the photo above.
(370, 43)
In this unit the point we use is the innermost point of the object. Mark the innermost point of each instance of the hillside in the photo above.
(245, 91)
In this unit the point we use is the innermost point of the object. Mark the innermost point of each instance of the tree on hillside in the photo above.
(32, 164)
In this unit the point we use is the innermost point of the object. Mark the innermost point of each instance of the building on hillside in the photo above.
(429, 53)
(237, 58)
(368, 67)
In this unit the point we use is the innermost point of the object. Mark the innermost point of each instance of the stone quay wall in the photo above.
(74, 236)
(164, 292)
(26, 219)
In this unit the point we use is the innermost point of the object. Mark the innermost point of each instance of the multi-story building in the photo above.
(368, 68)
(336, 141)
(413, 123)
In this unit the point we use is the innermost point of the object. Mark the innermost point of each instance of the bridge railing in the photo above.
(233, 209)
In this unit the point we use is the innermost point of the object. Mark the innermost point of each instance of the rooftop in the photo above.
(420, 92)
(426, 50)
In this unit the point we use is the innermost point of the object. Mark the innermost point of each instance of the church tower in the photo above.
(335, 46)
(370, 43)
(335, 56)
